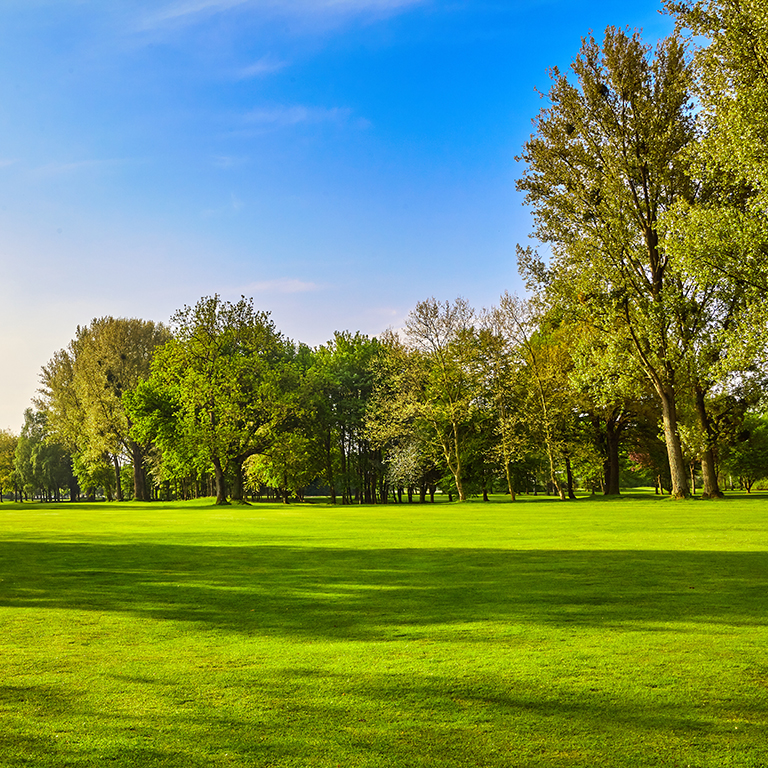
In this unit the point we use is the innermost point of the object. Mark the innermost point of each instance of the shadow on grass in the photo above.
(377, 716)
(368, 594)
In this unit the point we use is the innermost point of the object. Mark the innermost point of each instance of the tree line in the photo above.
(640, 349)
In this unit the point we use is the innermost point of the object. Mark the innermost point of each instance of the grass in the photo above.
(627, 632)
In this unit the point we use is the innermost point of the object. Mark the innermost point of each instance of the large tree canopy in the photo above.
(605, 162)
(724, 235)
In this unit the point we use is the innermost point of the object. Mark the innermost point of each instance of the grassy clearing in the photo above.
(627, 632)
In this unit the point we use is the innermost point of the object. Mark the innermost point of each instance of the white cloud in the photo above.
(284, 115)
(188, 10)
(59, 168)
(281, 285)
(185, 9)
(264, 66)
(234, 205)
(228, 161)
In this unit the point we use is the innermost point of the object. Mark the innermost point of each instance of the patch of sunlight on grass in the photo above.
(625, 632)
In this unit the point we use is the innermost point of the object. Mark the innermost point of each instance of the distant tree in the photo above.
(83, 387)
(547, 400)
(218, 388)
(338, 389)
(289, 465)
(42, 466)
(747, 458)
(8, 442)
(432, 384)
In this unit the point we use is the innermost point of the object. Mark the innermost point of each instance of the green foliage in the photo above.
(609, 158)
(723, 235)
(747, 456)
(434, 387)
(219, 389)
(8, 478)
(83, 388)
(289, 465)
(41, 466)
(339, 387)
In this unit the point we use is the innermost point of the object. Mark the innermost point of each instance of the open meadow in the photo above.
(624, 632)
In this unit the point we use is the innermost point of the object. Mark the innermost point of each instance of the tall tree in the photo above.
(605, 162)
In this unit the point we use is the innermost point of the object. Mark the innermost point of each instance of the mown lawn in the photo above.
(627, 632)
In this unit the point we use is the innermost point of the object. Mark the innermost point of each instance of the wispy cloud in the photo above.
(281, 285)
(233, 206)
(264, 66)
(60, 168)
(287, 115)
(189, 10)
(225, 162)
(293, 115)
(186, 9)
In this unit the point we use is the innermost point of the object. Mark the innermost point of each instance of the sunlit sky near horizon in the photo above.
(338, 160)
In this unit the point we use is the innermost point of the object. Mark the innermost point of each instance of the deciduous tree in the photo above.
(605, 162)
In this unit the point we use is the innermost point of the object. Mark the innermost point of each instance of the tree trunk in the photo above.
(611, 465)
(569, 476)
(238, 493)
(677, 469)
(455, 465)
(510, 486)
(552, 476)
(118, 484)
(711, 489)
(221, 482)
(74, 489)
(139, 474)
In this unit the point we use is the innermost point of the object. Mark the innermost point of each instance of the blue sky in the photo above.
(338, 160)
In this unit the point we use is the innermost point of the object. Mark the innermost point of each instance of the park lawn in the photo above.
(624, 632)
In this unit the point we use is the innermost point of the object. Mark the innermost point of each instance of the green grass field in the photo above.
(627, 632)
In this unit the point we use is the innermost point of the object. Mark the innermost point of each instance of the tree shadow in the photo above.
(368, 594)
(305, 714)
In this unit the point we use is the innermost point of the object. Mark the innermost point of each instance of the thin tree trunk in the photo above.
(238, 493)
(118, 484)
(680, 487)
(711, 489)
(569, 476)
(552, 476)
(510, 486)
(612, 459)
